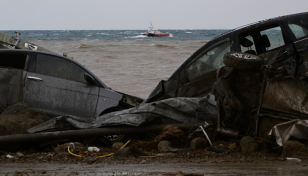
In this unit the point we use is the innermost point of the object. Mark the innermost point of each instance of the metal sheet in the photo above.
(286, 94)
(295, 129)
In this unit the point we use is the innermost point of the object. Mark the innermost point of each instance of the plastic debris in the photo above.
(294, 160)
(9, 156)
(93, 149)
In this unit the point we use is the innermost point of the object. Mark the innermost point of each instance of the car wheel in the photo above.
(242, 61)
(113, 139)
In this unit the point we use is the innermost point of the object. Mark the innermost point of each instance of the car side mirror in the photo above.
(89, 79)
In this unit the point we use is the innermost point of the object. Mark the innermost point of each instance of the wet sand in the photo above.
(134, 66)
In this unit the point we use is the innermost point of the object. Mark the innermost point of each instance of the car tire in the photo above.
(242, 61)
(113, 139)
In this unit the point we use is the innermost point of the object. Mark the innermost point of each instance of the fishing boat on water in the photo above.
(155, 32)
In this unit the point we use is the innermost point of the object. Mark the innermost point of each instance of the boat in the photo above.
(155, 32)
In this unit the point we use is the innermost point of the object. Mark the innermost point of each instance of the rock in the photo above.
(199, 143)
(143, 162)
(17, 119)
(125, 152)
(217, 149)
(174, 135)
(91, 160)
(19, 154)
(117, 145)
(248, 144)
(290, 148)
(61, 155)
(74, 146)
(233, 146)
(163, 145)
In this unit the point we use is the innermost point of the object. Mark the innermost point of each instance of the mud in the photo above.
(193, 162)
(172, 168)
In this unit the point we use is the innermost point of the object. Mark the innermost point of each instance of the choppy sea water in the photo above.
(69, 35)
(125, 60)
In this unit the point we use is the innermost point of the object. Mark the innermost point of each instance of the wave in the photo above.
(84, 46)
(163, 46)
(138, 36)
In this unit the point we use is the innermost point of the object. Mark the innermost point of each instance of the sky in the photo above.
(137, 14)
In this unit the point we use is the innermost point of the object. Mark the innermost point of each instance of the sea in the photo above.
(125, 60)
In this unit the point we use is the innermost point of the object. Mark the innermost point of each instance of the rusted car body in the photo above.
(56, 85)
(260, 98)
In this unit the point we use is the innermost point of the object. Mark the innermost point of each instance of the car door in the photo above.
(56, 86)
(269, 42)
(200, 74)
(12, 73)
(299, 33)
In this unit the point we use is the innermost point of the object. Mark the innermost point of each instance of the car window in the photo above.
(248, 45)
(298, 31)
(209, 61)
(13, 60)
(272, 38)
(60, 68)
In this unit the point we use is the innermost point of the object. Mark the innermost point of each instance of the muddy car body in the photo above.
(249, 100)
(196, 76)
(56, 85)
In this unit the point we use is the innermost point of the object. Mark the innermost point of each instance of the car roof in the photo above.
(263, 22)
(53, 54)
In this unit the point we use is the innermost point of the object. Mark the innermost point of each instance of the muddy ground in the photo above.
(189, 162)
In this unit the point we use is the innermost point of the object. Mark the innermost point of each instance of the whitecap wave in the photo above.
(138, 36)
(188, 32)
(170, 35)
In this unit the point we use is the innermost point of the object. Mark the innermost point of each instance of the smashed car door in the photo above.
(200, 74)
(56, 86)
(12, 72)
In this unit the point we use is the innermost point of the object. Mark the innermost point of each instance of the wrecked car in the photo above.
(252, 96)
(267, 38)
(56, 85)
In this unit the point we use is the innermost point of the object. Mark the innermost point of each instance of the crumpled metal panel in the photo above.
(169, 111)
(10, 41)
(286, 94)
(295, 129)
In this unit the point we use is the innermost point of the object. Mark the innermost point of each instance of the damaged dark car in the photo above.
(252, 94)
(246, 81)
(56, 85)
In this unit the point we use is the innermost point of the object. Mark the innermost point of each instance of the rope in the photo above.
(68, 149)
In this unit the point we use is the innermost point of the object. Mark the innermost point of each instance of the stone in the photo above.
(290, 148)
(233, 146)
(124, 152)
(249, 144)
(74, 146)
(91, 160)
(199, 143)
(143, 162)
(117, 145)
(174, 135)
(163, 145)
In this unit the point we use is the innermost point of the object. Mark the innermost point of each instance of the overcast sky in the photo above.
(136, 14)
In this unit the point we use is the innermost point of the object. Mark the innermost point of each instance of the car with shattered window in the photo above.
(56, 85)
(259, 71)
